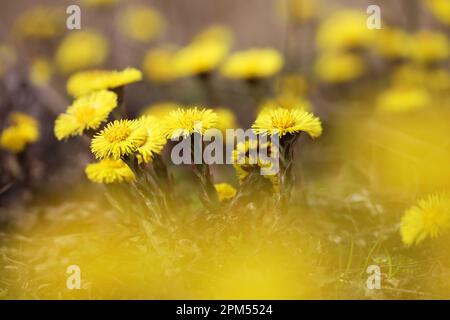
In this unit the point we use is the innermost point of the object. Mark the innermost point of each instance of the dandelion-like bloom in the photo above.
(283, 121)
(23, 130)
(429, 47)
(393, 43)
(99, 3)
(345, 29)
(301, 10)
(161, 109)
(226, 119)
(141, 23)
(184, 122)
(118, 139)
(154, 141)
(85, 82)
(225, 191)
(339, 67)
(440, 9)
(81, 50)
(109, 171)
(41, 72)
(430, 218)
(253, 64)
(40, 22)
(286, 101)
(403, 99)
(86, 113)
(158, 64)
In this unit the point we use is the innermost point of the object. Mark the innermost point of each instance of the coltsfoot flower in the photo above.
(85, 82)
(158, 64)
(23, 130)
(339, 67)
(141, 23)
(161, 109)
(81, 50)
(118, 139)
(283, 121)
(225, 191)
(440, 9)
(184, 122)
(403, 99)
(86, 113)
(253, 64)
(109, 171)
(429, 47)
(430, 218)
(41, 72)
(40, 22)
(154, 141)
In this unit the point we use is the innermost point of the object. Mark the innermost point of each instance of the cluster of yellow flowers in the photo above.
(23, 130)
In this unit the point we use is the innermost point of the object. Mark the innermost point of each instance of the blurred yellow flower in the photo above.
(154, 141)
(118, 139)
(253, 64)
(41, 72)
(161, 109)
(109, 171)
(85, 82)
(81, 50)
(345, 29)
(430, 46)
(86, 113)
(184, 122)
(158, 64)
(98, 3)
(41, 22)
(338, 67)
(216, 33)
(225, 191)
(440, 9)
(301, 10)
(393, 43)
(292, 84)
(199, 57)
(435, 79)
(141, 23)
(403, 99)
(226, 119)
(430, 218)
(283, 121)
(286, 101)
(23, 130)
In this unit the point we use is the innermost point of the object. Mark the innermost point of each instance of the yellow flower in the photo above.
(292, 84)
(403, 99)
(334, 67)
(81, 50)
(161, 109)
(23, 130)
(141, 23)
(109, 171)
(345, 29)
(251, 64)
(158, 64)
(435, 79)
(86, 113)
(429, 46)
(41, 72)
(429, 219)
(286, 101)
(41, 22)
(225, 191)
(184, 122)
(199, 57)
(154, 141)
(85, 82)
(118, 139)
(440, 9)
(216, 33)
(283, 121)
(393, 43)
(225, 119)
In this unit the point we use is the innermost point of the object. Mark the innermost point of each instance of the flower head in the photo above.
(284, 121)
(141, 23)
(23, 130)
(428, 219)
(86, 113)
(155, 140)
(81, 50)
(85, 82)
(158, 64)
(253, 64)
(339, 67)
(41, 72)
(184, 122)
(393, 43)
(403, 99)
(430, 47)
(109, 171)
(41, 22)
(118, 139)
(161, 109)
(225, 191)
(440, 9)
